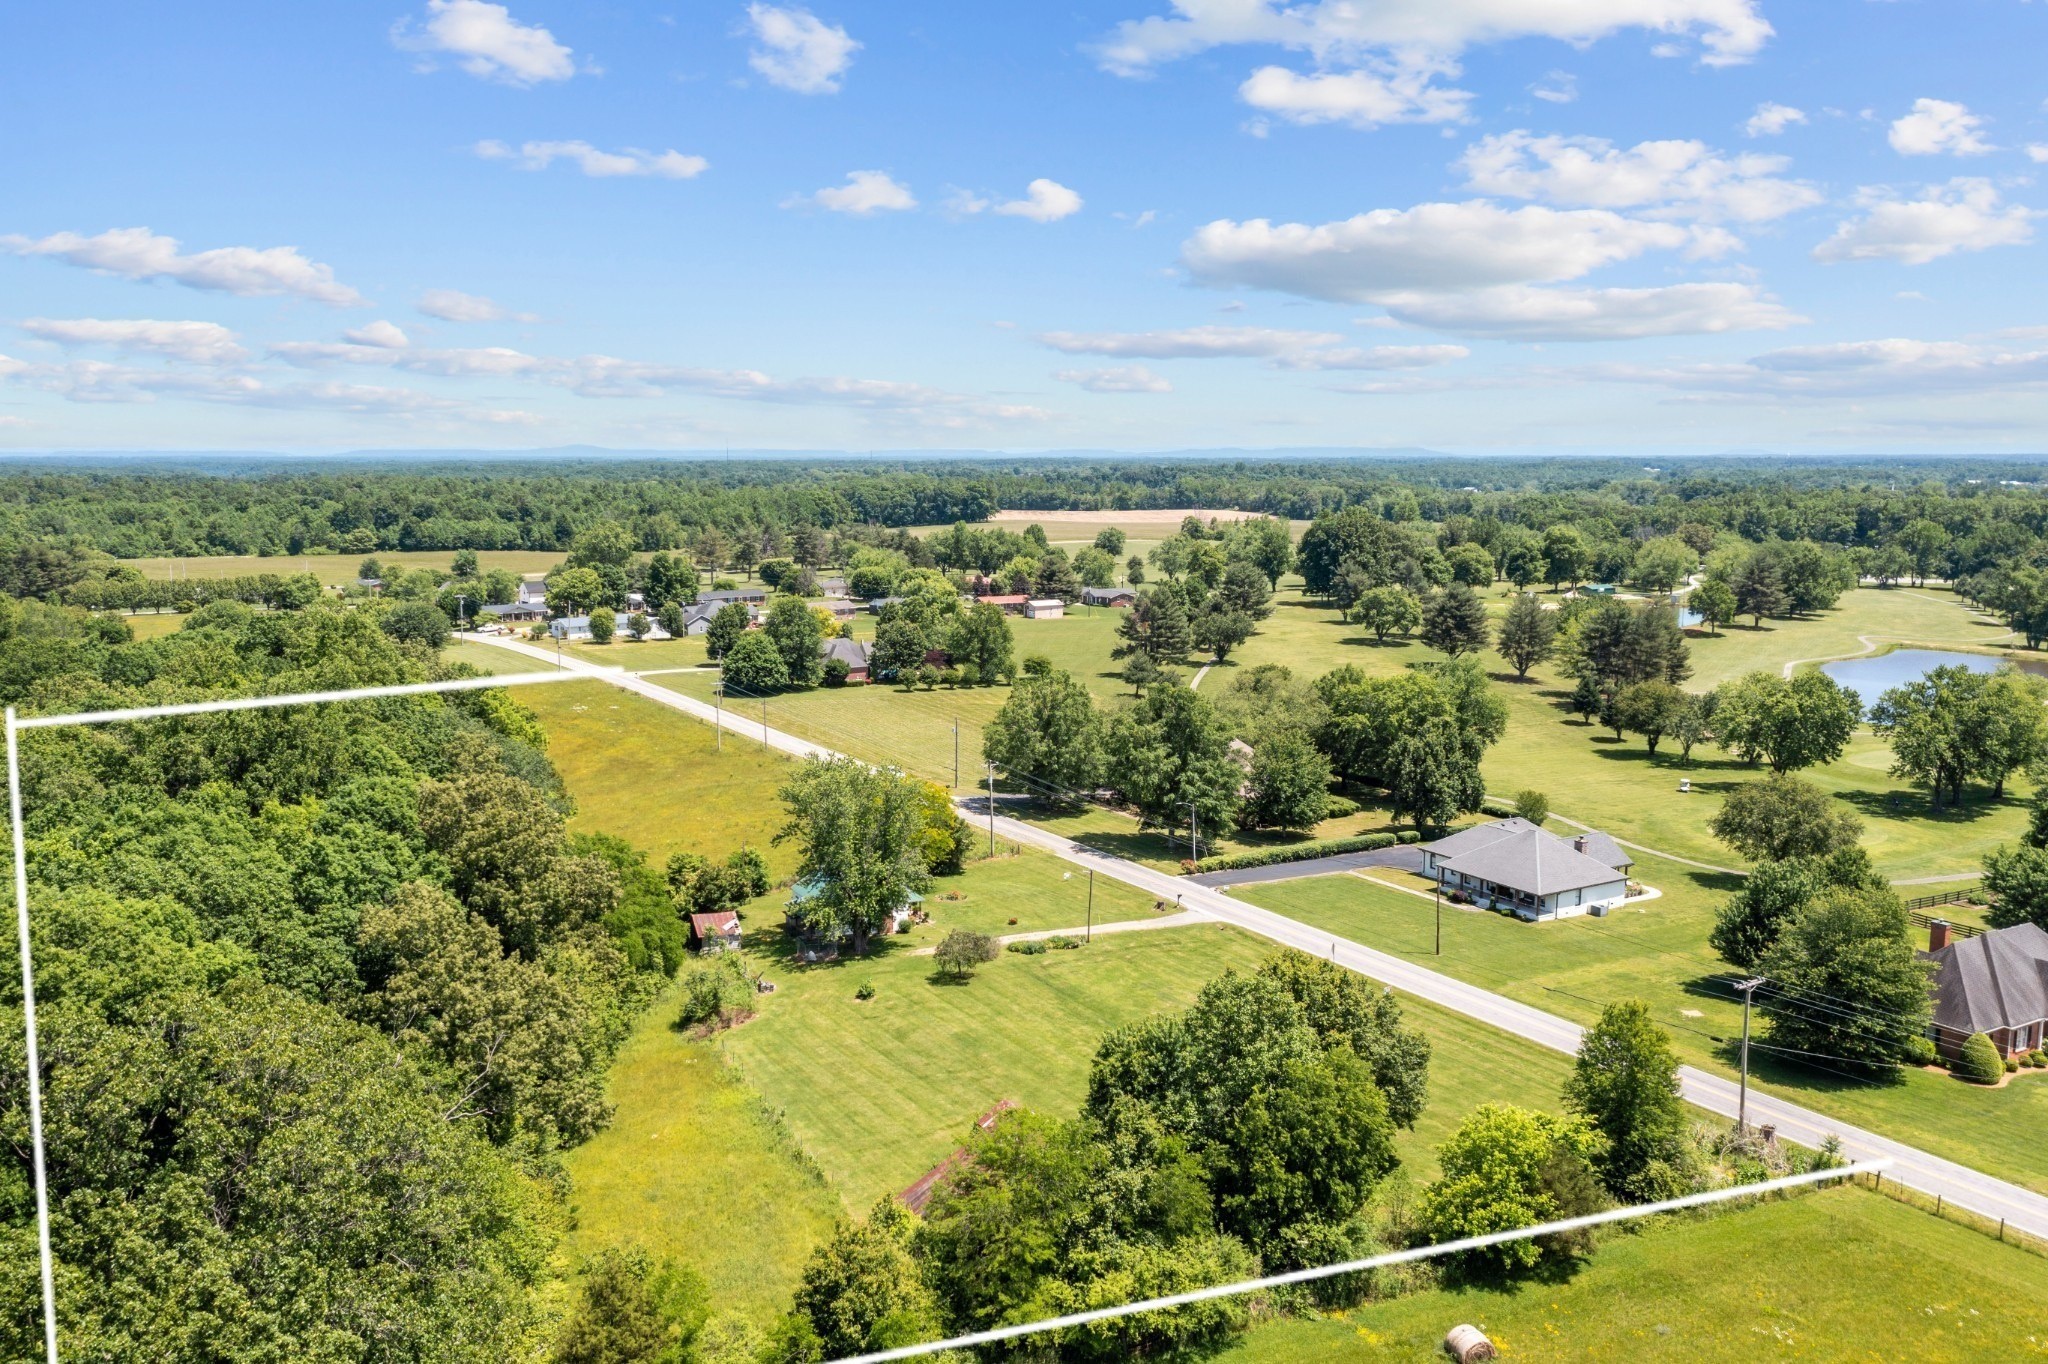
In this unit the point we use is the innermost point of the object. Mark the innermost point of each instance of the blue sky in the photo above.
(1474, 225)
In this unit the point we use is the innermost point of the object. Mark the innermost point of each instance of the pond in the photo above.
(1870, 678)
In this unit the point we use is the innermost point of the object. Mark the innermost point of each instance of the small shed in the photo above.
(715, 933)
(1045, 608)
(1013, 603)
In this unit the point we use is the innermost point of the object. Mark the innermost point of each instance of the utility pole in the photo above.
(764, 722)
(991, 809)
(718, 713)
(1436, 896)
(1748, 988)
(1091, 906)
(1189, 806)
(956, 753)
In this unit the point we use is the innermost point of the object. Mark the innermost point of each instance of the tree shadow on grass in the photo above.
(1917, 805)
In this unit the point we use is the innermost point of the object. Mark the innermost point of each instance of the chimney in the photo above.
(1579, 843)
(1937, 935)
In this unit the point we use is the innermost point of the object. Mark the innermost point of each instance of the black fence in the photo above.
(1955, 930)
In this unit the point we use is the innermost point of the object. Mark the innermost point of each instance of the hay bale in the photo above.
(1467, 1345)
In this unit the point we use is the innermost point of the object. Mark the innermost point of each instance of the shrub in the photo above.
(1498, 808)
(1533, 806)
(1978, 1061)
(866, 990)
(2037, 1059)
(2012, 1066)
(1064, 943)
(1036, 665)
(1921, 1051)
(1301, 852)
(1340, 807)
(837, 670)
(1030, 948)
(716, 996)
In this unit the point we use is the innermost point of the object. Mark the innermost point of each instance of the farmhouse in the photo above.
(753, 596)
(517, 612)
(852, 652)
(899, 918)
(533, 590)
(1514, 865)
(571, 629)
(713, 933)
(1108, 596)
(1995, 983)
(1048, 608)
(839, 608)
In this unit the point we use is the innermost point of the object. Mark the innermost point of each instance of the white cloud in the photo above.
(865, 192)
(797, 50)
(1731, 31)
(387, 335)
(452, 305)
(1936, 126)
(488, 43)
(95, 381)
(1963, 215)
(1204, 342)
(1559, 87)
(1770, 119)
(533, 156)
(455, 362)
(2037, 152)
(1376, 357)
(198, 343)
(1362, 99)
(139, 254)
(1116, 379)
(1668, 179)
(1430, 246)
(1468, 268)
(1891, 367)
(1044, 201)
(1521, 313)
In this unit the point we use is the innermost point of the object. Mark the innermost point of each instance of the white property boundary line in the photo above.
(28, 985)
(1392, 1257)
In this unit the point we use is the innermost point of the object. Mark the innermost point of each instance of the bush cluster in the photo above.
(1302, 852)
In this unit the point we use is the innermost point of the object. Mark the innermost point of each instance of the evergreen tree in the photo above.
(1527, 634)
(1454, 621)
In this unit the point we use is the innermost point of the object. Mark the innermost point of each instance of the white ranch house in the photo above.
(1512, 864)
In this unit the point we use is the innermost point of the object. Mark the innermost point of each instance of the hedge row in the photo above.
(1302, 852)
(1498, 808)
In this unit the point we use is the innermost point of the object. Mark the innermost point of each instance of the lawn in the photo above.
(877, 1091)
(693, 1167)
(1844, 1275)
(655, 777)
(1657, 952)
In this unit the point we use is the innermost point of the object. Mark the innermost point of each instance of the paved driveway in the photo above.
(1403, 857)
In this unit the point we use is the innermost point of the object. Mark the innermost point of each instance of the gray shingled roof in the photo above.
(1996, 980)
(1599, 846)
(852, 650)
(1514, 852)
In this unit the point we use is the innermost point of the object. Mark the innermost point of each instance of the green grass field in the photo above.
(654, 776)
(1840, 1275)
(1658, 953)
(693, 1167)
(877, 1091)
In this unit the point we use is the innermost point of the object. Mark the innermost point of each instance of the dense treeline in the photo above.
(1983, 510)
(322, 991)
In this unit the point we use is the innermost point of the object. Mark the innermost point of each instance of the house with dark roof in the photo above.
(753, 596)
(852, 652)
(1995, 983)
(1108, 596)
(1517, 866)
(516, 611)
